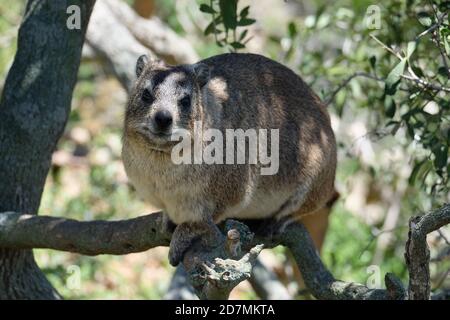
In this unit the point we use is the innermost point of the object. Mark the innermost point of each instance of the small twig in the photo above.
(437, 37)
(374, 236)
(350, 78)
(386, 47)
(425, 84)
(413, 77)
(433, 27)
(442, 235)
(347, 81)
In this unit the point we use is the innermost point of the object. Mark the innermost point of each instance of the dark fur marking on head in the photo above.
(159, 77)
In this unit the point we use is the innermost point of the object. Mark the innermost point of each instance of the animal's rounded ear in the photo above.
(140, 64)
(202, 73)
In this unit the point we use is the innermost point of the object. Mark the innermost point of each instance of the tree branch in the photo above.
(417, 253)
(154, 34)
(425, 84)
(180, 288)
(266, 284)
(85, 237)
(120, 53)
(347, 81)
(318, 279)
(133, 36)
(215, 269)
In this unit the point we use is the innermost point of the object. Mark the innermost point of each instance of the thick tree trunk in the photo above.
(34, 108)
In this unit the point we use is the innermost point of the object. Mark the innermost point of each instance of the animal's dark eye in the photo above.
(147, 96)
(185, 102)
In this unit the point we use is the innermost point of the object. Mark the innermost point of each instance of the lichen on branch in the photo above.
(215, 268)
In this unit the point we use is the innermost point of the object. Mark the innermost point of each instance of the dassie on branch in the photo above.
(228, 91)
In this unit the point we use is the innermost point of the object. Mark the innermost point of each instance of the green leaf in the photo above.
(393, 78)
(424, 171)
(237, 45)
(209, 29)
(410, 130)
(243, 35)
(425, 19)
(446, 45)
(389, 106)
(444, 72)
(341, 98)
(418, 71)
(373, 61)
(228, 10)
(244, 12)
(415, 171)
(411, 48)
(207, 9)
(441, 156)
(246, 22)
(444, 6)
(292, 29)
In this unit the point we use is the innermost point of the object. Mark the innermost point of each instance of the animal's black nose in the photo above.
(163, 120)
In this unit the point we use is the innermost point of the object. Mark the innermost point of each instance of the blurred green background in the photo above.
(393, 138)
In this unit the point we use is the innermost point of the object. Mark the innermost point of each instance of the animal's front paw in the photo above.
(182, 239)
(186, 233)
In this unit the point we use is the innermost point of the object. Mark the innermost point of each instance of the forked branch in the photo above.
(216, 270)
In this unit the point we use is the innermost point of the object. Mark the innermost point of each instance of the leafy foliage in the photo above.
(225, 21)
(409, 53)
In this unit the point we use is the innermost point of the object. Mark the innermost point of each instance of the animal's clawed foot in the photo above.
(187, 233)
(182, 239)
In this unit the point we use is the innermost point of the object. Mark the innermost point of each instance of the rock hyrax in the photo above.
(228, 91)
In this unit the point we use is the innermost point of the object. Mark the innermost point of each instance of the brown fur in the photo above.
(241, 91)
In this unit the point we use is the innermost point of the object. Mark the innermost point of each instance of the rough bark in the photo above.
(417, 253)
(34, 108)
